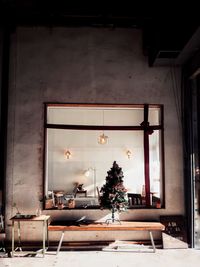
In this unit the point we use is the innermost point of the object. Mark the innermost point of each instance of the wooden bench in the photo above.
(123, 226)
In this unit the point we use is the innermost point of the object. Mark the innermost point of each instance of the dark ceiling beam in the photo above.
(191, 48)
(164, 40)
(62, 12)
(69, 18)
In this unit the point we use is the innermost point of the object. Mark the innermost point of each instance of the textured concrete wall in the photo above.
(82, 65)
(1, 48)
(1, 58)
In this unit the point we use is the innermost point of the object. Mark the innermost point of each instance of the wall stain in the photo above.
(40, 157)
(20, 182)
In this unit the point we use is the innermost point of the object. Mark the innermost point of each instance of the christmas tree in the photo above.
(113, 193)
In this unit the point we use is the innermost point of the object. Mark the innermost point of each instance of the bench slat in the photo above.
(124, 226)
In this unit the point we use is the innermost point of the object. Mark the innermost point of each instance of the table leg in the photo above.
(13, 238)
(60, 242)
(44, 236)
(47, 233)
(19, 236)
(152, 241)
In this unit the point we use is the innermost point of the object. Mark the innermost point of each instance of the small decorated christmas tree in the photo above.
(113, 193)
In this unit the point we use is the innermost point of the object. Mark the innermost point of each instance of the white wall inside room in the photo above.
(86, 153)
(98, 115)
(81, 65)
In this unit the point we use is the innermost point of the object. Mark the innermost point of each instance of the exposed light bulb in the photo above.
(103, 139)
(128, 152)
(67, 154)
(197, 171)
(87, 173)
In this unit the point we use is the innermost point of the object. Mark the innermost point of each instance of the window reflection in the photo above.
(77, 165)
(155, 166)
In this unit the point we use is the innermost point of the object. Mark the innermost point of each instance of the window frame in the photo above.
(144, 126)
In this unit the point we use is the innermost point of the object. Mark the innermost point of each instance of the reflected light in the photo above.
(87, 173)
(128, 153)
(197, 171)
(68, 154)
(103, 139)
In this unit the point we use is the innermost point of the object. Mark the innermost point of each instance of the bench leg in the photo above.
(60, 242)
(152, 241)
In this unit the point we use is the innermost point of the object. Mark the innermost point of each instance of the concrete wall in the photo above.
(81, 65)
(1, 48)
(1, 58)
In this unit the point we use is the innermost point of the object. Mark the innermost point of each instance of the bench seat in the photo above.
(95, 226)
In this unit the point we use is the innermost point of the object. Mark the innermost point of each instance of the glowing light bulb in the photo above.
(67, 154)
(103, 139)
(87, 173)
(128, 152)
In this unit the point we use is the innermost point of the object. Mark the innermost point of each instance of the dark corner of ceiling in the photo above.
(168, 42)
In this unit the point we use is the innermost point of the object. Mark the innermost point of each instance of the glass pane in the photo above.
(87, 161)
(154, 116)
(155, 161)
(95, 116)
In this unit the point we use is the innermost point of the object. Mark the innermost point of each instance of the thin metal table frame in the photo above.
(45, 235)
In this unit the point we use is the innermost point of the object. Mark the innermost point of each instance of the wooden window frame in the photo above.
(144, 126)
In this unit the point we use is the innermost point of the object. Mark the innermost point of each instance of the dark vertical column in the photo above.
(191, 141)
(4, 107)
(187, 107)
(146, 167)
(145, 123)
(45, 180)
(1, 55)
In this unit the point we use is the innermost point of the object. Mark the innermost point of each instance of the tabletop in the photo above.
(27, 217)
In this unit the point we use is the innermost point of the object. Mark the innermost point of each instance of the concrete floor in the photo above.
(162, 258)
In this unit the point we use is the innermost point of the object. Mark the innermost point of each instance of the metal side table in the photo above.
(27, 219)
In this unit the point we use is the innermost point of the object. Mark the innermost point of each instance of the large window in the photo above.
(83, 141)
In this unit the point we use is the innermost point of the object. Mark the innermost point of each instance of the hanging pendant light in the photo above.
(68, 154)
(103, 139)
